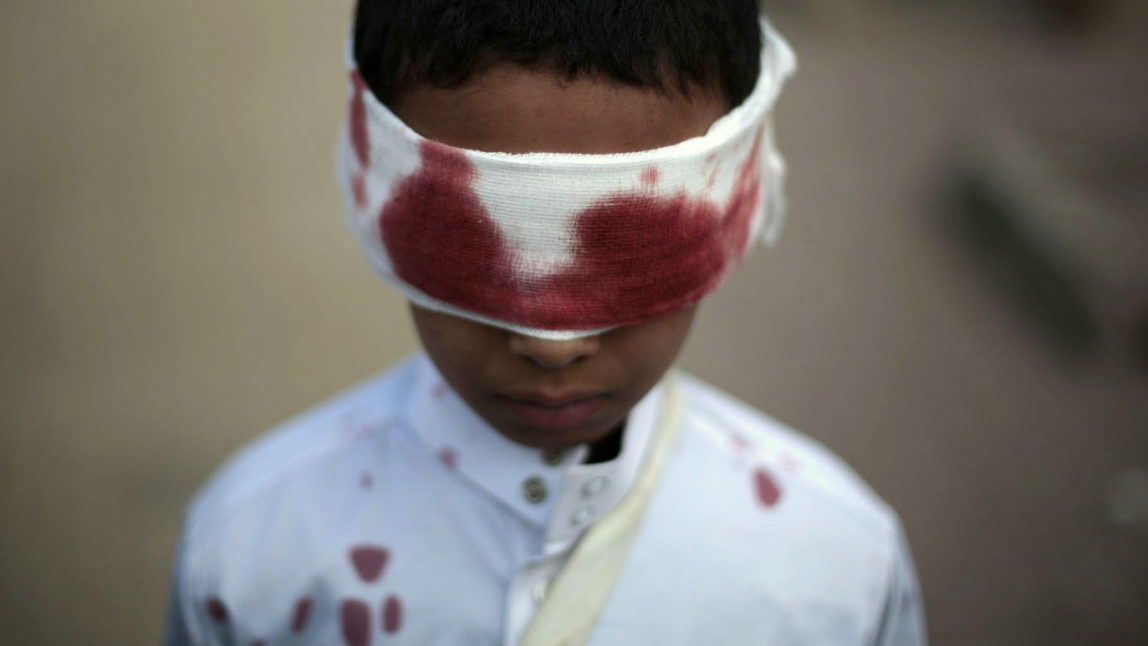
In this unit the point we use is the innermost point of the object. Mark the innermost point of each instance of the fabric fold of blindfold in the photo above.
(557, 245)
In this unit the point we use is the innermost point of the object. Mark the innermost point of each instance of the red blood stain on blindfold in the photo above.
(637, 255)
(358, 121)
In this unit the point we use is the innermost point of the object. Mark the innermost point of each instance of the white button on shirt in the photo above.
(394, 514)
(593, 486)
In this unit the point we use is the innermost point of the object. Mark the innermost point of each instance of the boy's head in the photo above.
(662, 44)
(587, 80)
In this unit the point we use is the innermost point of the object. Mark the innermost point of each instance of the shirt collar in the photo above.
(552, 490)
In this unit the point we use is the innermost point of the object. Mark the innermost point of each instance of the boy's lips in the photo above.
(554, 411)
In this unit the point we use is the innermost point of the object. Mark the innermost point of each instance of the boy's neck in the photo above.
(608, 447)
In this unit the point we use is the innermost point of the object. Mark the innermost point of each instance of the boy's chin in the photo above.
(543, 437)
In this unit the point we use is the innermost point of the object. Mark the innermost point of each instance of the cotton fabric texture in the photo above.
(563, 245)
(393, 514)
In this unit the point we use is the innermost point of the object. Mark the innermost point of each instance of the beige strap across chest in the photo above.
(576, 598)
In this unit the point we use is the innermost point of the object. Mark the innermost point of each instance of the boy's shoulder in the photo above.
(747, 436)
(779, 538)
(797, 528)
(321, 434)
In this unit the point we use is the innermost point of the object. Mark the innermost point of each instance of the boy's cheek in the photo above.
(655, 345)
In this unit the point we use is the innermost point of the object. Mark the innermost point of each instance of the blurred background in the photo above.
(958, 306)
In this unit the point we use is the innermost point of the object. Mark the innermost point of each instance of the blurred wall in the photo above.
(176, 278)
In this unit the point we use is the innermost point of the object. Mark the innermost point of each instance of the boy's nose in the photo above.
(553, 354)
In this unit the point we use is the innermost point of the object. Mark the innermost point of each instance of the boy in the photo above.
(554, 186)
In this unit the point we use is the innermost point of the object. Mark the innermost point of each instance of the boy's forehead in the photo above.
(513, 109)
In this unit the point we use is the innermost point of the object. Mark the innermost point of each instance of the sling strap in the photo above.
(570, 611)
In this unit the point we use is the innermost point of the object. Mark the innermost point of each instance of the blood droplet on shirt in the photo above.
(392, 615)
(738, 443)
(359, 136)
(650, 176)
(448, 456)
(301, 615)
(766, 488)
(369, 561)
(355, 621)
(789, 463)
(216, 610)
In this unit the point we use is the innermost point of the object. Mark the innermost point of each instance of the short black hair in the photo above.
(662, 44)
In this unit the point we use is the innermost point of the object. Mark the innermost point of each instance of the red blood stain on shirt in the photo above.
(369, 561)
(362, 432)
(768, 493)
(392, 615)
(359, 136)
(738, 443)
(301, 615)
(355, 621)
(789, 463)
(441, 239)
(216, 610)
(650, 176)
(449, 457)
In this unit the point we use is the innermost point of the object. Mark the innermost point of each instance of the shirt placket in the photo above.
(531, 582)
(585, 493)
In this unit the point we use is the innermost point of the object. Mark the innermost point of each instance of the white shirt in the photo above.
(394, 514)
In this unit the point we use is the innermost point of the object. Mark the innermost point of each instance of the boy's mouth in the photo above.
(554, 411)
